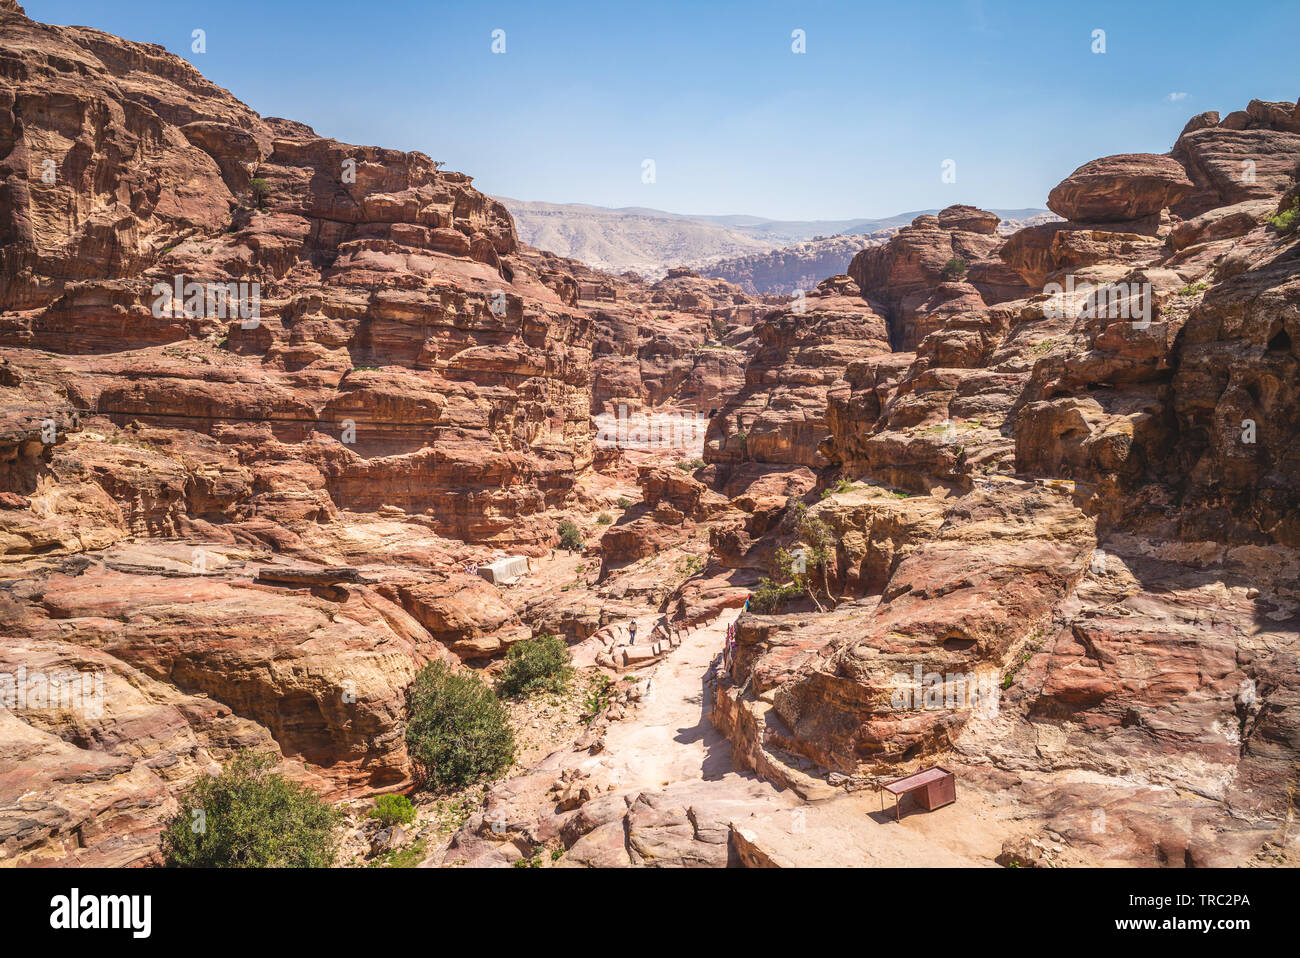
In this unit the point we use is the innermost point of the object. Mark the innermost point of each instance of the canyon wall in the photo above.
(1067, 484)
(262, 394)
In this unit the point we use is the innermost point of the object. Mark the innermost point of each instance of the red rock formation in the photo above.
(923, 265)
(780, 415)
(782, 272)
(1081, 485)
(251, 531)
(477, 411)
(410, 374)
(1120, 188)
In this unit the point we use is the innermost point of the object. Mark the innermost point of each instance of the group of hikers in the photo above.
(729, 647)
(729, 643)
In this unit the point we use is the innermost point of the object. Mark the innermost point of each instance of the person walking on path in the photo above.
(631, 630)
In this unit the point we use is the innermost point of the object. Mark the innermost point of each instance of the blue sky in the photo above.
(859, 125)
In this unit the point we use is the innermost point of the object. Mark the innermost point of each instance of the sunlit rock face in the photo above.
(1075, 492)
(265, 395)
(230, 344)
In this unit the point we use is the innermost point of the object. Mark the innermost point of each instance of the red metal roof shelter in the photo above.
(934, 787)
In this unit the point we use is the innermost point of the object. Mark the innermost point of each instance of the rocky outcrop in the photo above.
(1114, 205)
(1120, 188)
(780, 415)
(687, 352)
(920, 268)
(1236, 400)
(784, 271)
(1248, 155)
(1038, 503)
(448, 380)
(1054, 528)
(259, 389)
(672, 502)
(465, 614)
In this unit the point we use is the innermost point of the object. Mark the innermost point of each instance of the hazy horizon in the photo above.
(632, 209)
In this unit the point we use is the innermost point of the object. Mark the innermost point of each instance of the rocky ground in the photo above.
(1053, 533)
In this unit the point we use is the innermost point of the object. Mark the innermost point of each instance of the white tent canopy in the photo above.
(504, 570)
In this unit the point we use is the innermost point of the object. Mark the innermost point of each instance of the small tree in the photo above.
(771, 596)
(535, 665)
(954, 269)
(791, 576)
(818, 537)
(261, 189)
(393, 810)
(251, 817)
(457, 732)
(718, 326)
(570, 537)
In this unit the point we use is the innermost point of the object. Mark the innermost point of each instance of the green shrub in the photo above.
(624, 502)
(770, 597)
(570, 537)
(535, 665)
(456, 731)
(597, 697)
(1288, 221)
(791, 576)
(843, 485)
(408, 856)
(604, 519)
(261, 189)
(690, 465)
(689, 565)
(393, 810)
(251, 817)
(954, 269)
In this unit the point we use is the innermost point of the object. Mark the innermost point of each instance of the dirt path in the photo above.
(671, 738)
(671, 742)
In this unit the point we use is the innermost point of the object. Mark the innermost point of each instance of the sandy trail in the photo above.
(671, 738)
(671, 743)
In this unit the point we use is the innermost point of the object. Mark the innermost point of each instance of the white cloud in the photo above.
(1175, 97)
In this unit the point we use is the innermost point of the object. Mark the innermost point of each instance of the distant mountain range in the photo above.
(804, 264)
(650, 241)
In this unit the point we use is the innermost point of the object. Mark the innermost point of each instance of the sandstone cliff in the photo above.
(1058, 468)
(1074, 484)
(248, 506)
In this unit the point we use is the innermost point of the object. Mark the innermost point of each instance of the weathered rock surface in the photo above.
(247, 510)
(1060, 540)
(780, 415)
(1119, 188)
(681, 341)
(919, 268)
(1064, 536)
(781, 272)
